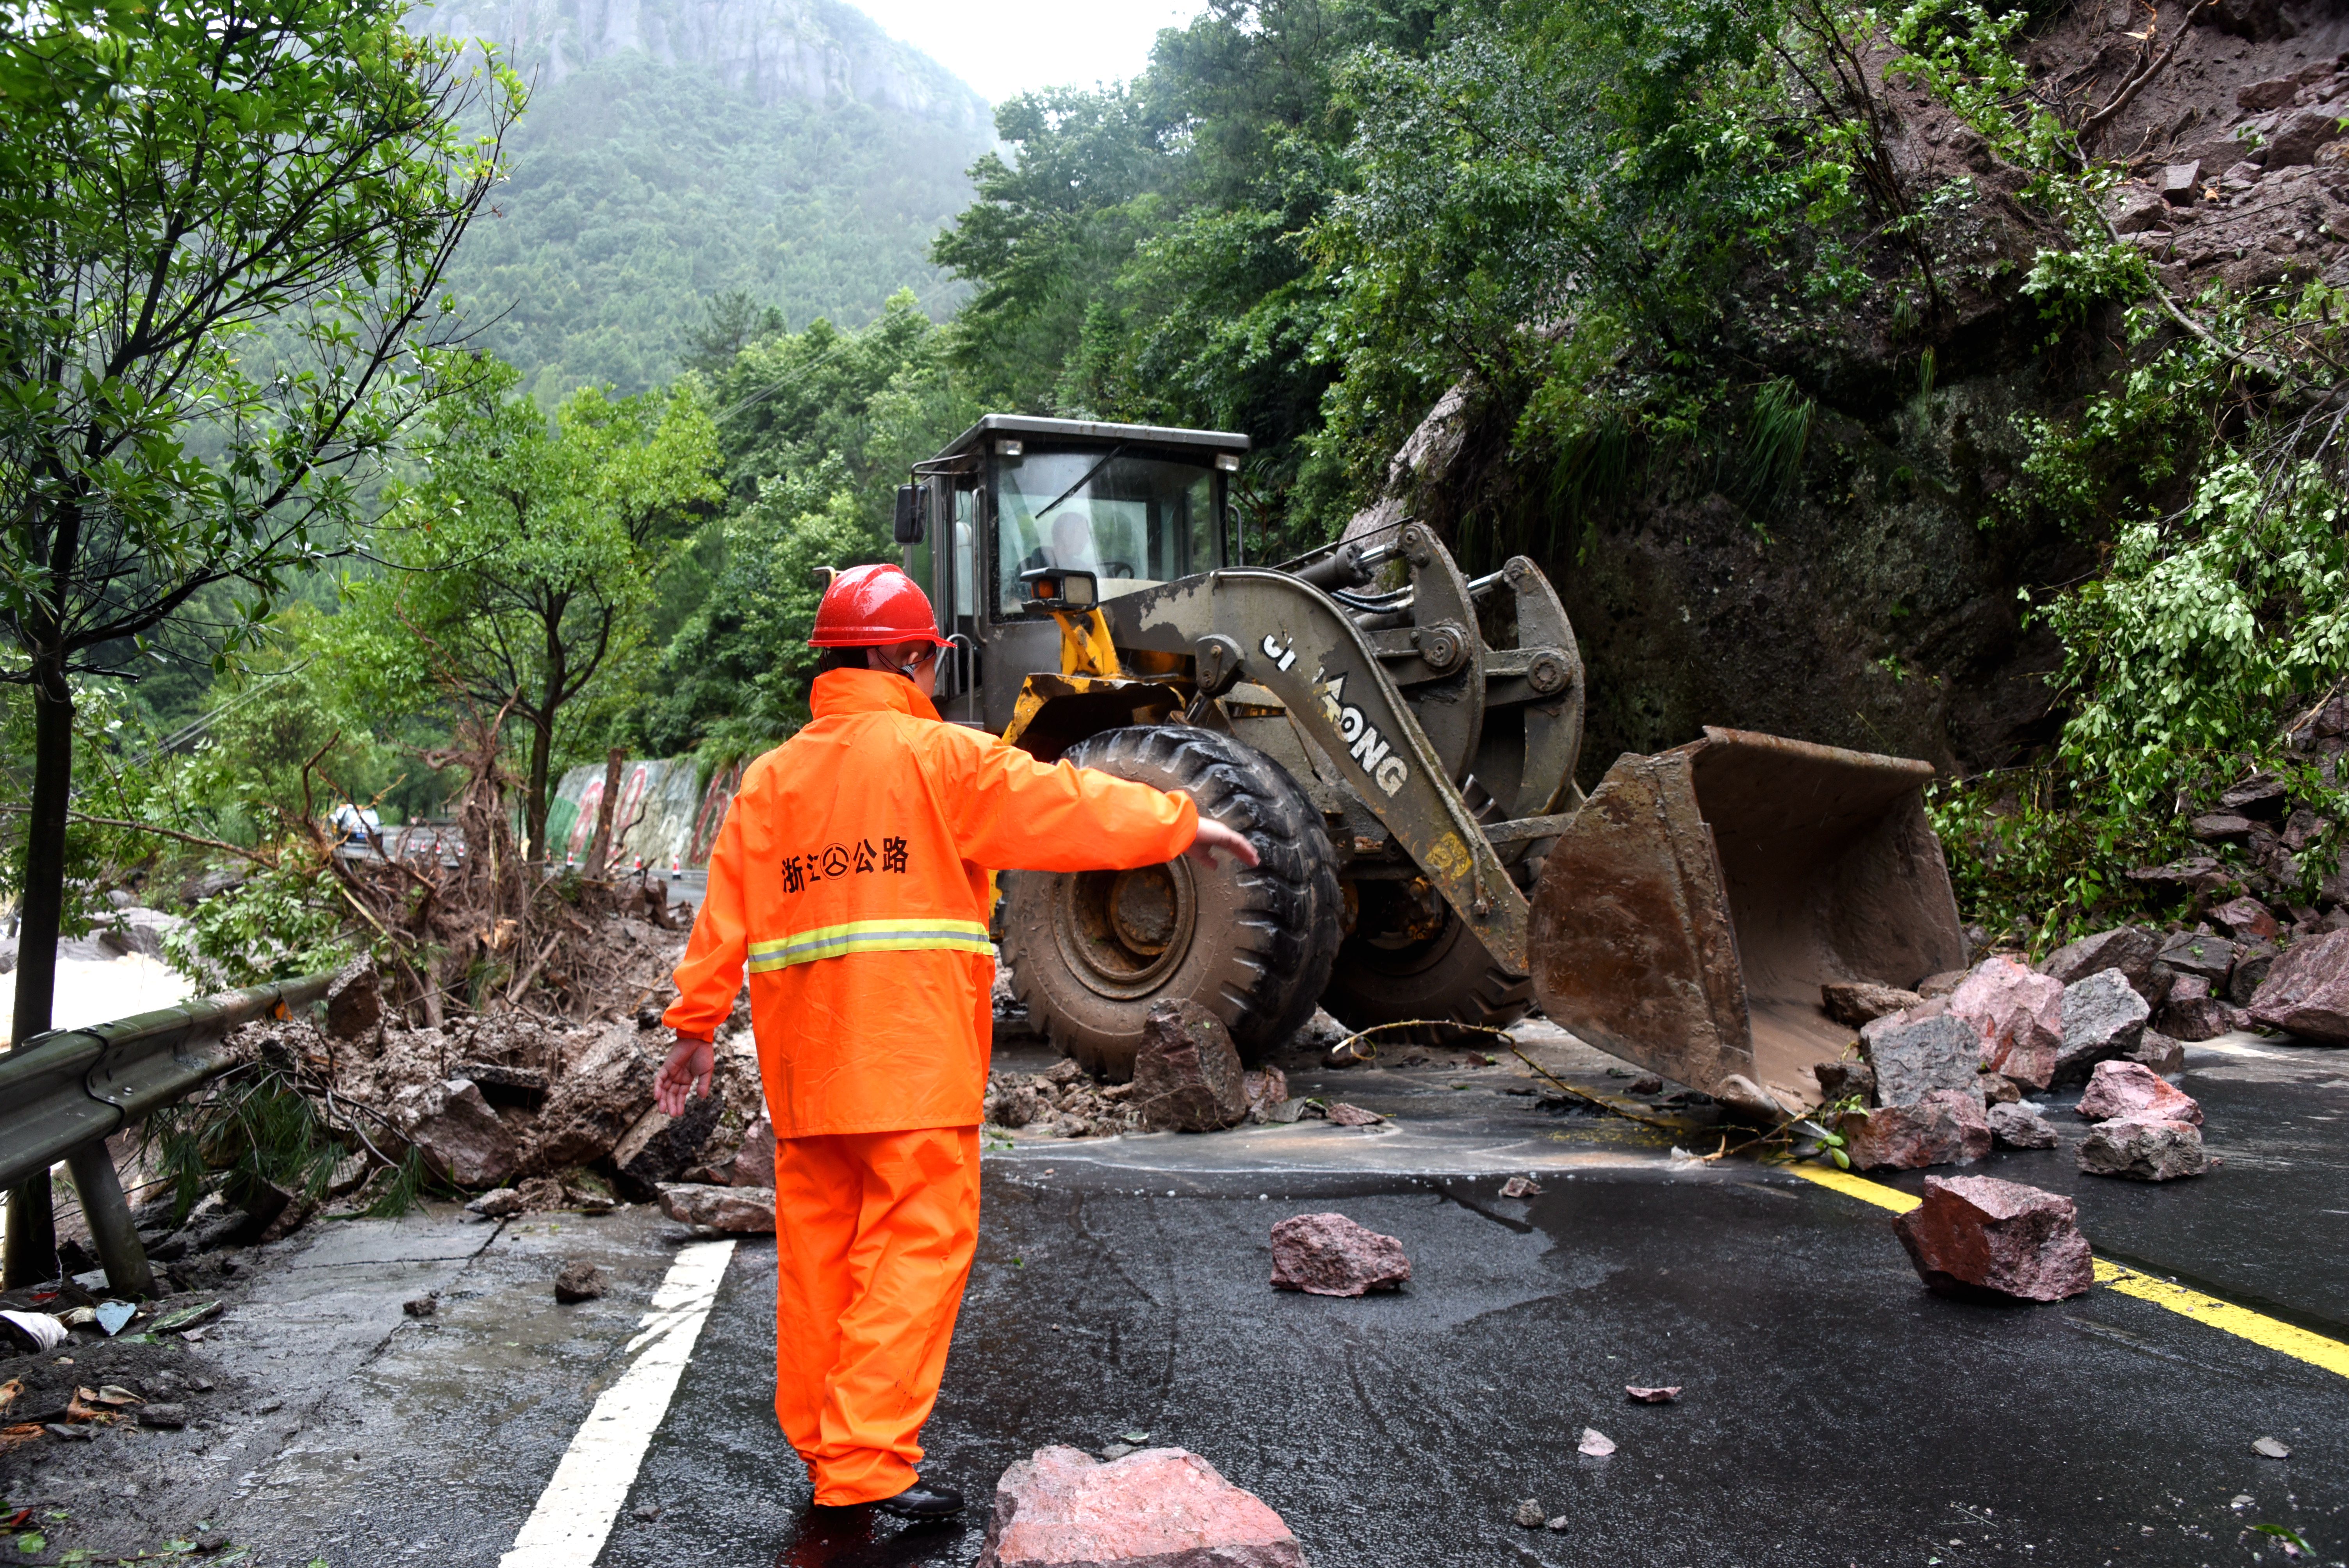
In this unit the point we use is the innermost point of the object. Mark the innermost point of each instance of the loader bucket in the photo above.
(1689, 912)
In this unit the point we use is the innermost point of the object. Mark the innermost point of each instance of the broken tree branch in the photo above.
(2136, 83)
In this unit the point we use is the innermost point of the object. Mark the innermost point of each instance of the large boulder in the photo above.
(355, 1001)
(2129, 1091)
(661, 1148)
(2307, 990)
(1920, 1050)
(2144, 1151)
(2211, 958)
(746, 1211)
(1945, 1127)
(2131, 949)
(599, 1095)
(2103, 1018)
(2017, 1013)
(1187, 1076)
(1158, 1508)
(1330, 1254)
(1980, 1234)
(462, 1140)
(2192, 1013)
(2020, 1125)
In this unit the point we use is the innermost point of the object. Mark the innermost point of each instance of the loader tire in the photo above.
(1092, 951)
(1389, 975)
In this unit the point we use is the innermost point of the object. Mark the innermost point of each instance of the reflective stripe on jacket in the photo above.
(851, 879)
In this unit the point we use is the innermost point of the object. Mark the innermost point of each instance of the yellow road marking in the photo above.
(2267, 1332)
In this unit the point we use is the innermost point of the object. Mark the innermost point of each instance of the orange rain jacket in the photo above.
(852, 876)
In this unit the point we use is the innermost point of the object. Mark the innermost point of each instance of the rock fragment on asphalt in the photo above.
(2307, 990)
(1158, 1508)
(497, 1203)
(1341, 1114)
(1914, 1056)
(2271, 1449)
(1842, 1079)
(1663, 1395)
(2129, 1091)
(1529, 1514)
(2103, 1018)
(2159, 1053)
(1980, 1234)
(2020, 1126)
(2193, 1012)
(578, 1281)
(2131, 949)
(1595, 1444)
(2144, 1151)
(1854, 1003)
(1945, 1127)
(1187, 1076)
(2018, 1015)
(737, 1211)
(1330, 1254)
(426, 1305)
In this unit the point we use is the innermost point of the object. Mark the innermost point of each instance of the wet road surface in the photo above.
(1834, 1413)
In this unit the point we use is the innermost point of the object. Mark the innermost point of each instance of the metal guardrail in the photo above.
(64, 1093)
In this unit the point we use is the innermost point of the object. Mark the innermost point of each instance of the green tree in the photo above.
(522, 566)
(174, 174)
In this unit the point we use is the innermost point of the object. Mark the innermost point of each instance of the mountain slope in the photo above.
(678, 150)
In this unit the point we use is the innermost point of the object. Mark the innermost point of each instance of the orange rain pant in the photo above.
(873, 1238)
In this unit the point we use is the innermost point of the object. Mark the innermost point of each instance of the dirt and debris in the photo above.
(1330, 1254)
(1981, 1236)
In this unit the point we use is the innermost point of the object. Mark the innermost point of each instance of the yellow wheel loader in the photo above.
(1398, 740)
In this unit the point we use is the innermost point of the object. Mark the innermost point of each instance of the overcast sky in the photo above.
(1005, 48)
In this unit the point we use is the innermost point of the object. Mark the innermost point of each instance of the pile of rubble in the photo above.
(1187, 1077)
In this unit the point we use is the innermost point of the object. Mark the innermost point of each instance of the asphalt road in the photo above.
(1833, 1412)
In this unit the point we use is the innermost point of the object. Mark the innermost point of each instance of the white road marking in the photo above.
(574, 1513)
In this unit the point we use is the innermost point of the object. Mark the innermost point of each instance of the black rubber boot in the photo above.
(923, 1500)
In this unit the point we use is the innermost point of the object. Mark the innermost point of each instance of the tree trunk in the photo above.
(600, 849)
(32, 1244)
(542, 742)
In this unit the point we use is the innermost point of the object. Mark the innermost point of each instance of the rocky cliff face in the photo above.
(771, 50)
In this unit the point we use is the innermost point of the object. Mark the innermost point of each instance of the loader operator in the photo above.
(853, 877)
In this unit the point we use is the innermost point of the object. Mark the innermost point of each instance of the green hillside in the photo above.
(788, 151)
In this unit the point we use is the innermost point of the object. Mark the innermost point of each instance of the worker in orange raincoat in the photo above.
(852, 877)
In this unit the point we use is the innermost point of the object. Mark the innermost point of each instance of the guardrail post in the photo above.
(30, 1255)
(108, 1214)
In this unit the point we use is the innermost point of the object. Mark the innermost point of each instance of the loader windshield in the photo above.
(1132, 520)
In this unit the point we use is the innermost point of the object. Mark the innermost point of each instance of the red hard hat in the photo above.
(874, 606)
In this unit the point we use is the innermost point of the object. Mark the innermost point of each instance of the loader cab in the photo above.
(1134, 505)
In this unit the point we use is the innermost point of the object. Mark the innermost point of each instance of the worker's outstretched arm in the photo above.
(709, 976)
(1010, 810)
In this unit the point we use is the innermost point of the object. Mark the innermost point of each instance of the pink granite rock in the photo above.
(2192, 1013)
(1160, 1508)
(1980, 1233)
(745, 1211)
(2144, 1151)
(754, 1163)
(462, 1140)
(2019, 1015)
(1945, 1127)
(1329, 1254)
(2306, 992)
(2130, 1091)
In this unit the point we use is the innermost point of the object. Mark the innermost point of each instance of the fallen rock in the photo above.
(2020, 1126)
(1940, 985)
(2221, 828)
(2127, 1091)
(1157, 1508)
(1595, 1443)
(2144, 1151)
(1186, 1074)
(1653, 1396)
(661, 1148)
(1997, 1088)
(2299, 132)
(2196, 873)
(1978, 1233)
(2018, 1015)
(498, 1203)
(1521, 1187)
(578, 1281)
(2307, 990)
(2131, 949)
(2253, 964)
(2159, 1053)
(2192, 1013)
(2181, 183)
(1015, 1104)
(1266, 1090)
(1842, 1079)
(427, 1305)
(522, 1088)
(355, 1001)
(743, 1210)
(462, 1140)
(2212, 958)
(2103, 1017)
(1946, 1128)
(1529, 1514)
(1341, 1114)
(171, 1418)
(1330, 1254)
(1853, 1003)
(2136, 210)
(1914, 1053)
(754, 1162)
(2247, 920)
(598, 1097)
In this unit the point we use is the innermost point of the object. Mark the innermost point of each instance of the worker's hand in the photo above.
(685, 1075)
(1214, 836)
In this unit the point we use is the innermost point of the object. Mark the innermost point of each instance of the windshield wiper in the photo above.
(1041, 512)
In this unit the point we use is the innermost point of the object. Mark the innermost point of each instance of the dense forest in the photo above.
(1797, 341)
